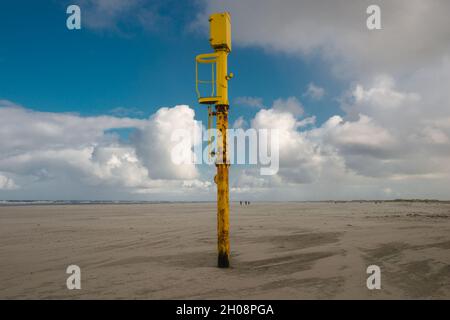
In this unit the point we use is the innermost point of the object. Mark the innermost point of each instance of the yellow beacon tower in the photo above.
(220, 40)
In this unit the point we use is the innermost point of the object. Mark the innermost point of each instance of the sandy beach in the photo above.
(279, 251)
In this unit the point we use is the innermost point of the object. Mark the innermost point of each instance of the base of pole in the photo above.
(223, 261)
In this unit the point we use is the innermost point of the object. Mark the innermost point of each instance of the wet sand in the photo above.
(279, 251)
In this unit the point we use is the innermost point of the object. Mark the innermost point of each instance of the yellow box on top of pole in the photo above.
(220, 31)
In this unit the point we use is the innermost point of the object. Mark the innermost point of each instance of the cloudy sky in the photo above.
(88, 114)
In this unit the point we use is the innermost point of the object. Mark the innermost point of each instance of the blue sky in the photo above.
(46, 67)
(69, 99)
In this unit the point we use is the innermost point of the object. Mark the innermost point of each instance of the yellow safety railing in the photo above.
(207, 58)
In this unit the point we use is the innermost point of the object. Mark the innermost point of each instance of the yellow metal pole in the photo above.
(220, 40)
(222, 106)
(223, 225)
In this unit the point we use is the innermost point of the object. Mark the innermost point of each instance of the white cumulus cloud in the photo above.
(68, 149)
